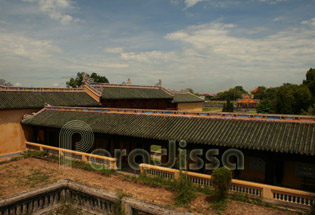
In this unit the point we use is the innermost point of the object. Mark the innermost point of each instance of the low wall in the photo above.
(284, 196)
(193, 106)
(12, 135)
(85, 157)
(88, 199)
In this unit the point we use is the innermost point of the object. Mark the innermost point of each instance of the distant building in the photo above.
(247, 103)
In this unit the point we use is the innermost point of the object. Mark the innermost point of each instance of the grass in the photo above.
(221, 102)
(185, 191)
(206, 109)
(102, 169)
(37, 176)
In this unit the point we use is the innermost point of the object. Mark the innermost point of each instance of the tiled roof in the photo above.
(134, 93)
(23, 100)
(183, 98)
(284, 137)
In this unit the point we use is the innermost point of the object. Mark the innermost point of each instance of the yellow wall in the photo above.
(12, 137)
(194, 106)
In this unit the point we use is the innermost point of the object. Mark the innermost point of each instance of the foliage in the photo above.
(292, 99)
(119, 209)
(185, 191)
(220, 204)
(78, 80)
(66, 208)
(228, 107)
(221, 181)
(261, 93)
(310, 80)
(232, 94)
(264, 106)
(288, 98)
(5, 83)
(157, 182)
(190, 90)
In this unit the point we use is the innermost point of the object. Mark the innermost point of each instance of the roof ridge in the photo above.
(170, 113)
(38, 89)
(124, 86)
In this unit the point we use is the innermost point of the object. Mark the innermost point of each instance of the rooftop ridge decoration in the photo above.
(94, 93)
(38, 89)
(170, 113)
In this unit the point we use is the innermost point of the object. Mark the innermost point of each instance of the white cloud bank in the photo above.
(212, 52)
(56, 9)
(191, 3)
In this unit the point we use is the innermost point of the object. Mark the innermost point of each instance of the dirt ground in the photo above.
(25, 174)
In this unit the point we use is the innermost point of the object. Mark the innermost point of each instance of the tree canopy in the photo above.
(228, 107)
(232, 94)
(310, 80)
(78, 80)
(5, 83)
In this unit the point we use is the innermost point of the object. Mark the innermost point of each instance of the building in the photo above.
(146, 97)
(278, 150)
(247, 103)
(18, 101)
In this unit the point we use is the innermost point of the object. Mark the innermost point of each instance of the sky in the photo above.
(206, 45)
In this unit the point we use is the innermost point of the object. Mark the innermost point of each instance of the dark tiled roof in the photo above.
(282, 137)
(133, 93)
(183, 98)
(21, 100)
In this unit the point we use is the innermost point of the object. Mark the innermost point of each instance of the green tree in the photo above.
(5, 83)
(310, 81)
(222, 178)
(261, 93)
(287, 99)
(228, 107)
(78, 80)
(264, 106)
(190, 90)
(232, 93)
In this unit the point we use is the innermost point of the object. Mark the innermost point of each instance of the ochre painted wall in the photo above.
(194, 106)
(12, 138)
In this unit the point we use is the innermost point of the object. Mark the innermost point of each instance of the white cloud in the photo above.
(191, 3)
(152, 56)
(56, 9)
(55, 84)
(21, 46)
(310, 22)
(272, 1)
(17, 84)
(214, 52)
(115, 50)
(279, 18)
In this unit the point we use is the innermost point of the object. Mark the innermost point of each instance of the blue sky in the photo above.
(207, 45)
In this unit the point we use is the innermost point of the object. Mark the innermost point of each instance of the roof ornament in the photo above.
(128, 82)
(159, 84)
(86, 79)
